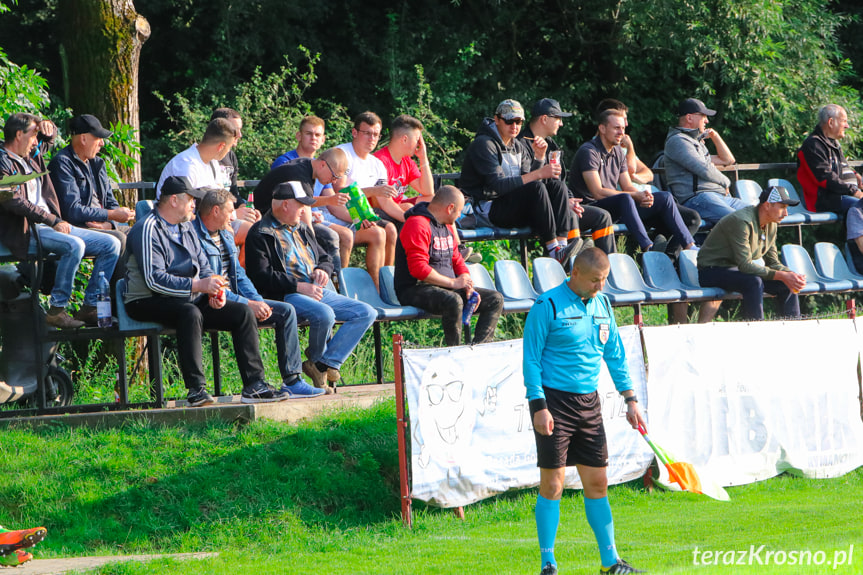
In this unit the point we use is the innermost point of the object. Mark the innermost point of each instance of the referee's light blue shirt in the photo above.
(563, 344)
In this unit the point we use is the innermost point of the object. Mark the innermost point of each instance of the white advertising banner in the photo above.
(471, 431)
(747, 401)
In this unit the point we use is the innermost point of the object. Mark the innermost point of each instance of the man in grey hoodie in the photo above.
(691, 172)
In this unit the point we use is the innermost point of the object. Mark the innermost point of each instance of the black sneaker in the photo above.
(261, 392)
(199, 397)
(565, 254)
(620, 567)
(549, 569)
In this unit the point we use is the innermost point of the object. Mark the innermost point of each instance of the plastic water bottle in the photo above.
(103, 302)
(469, 308)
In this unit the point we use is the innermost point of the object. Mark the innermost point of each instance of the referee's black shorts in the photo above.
(578, 437)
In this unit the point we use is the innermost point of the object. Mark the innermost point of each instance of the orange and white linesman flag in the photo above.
(685, 474)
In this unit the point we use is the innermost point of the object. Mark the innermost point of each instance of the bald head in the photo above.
(589, 272)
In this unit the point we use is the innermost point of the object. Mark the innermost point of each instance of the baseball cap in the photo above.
(182, 185)
(777, 195)
(693, 106)
(509, 110)
(548, 107)
(299, 191)
(88, 124)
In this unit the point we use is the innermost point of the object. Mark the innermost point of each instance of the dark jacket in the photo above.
(161, 266)
(75, 185)
(820, 162)
(425, 245)
(265, 259)
(482, 176)
(526, 132)
(241, 289)
(14, 212)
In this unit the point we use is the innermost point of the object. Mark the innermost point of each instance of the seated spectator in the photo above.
(245, 215)
(512, 187)
(310, 139)
(406, 140)
(854, 237)
(170, 282)
(599, 169)
(642, 176)
(314, 173)
(822, 170)
(81, 181)
(200, 162)
(215, 212)
(727, 258)
(430, 273)
(285, 263)
(546, 119)
(691, 172)
(36, 202)
(335, 239)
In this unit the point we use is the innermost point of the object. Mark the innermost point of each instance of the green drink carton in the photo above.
(358, 206)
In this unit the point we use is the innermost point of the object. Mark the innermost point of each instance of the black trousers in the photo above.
(599, 223)
(753, 289)
(449, 305)
(542, 204)
(190, 319)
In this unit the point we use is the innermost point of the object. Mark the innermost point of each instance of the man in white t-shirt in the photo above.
(371, 176)
(200, 162)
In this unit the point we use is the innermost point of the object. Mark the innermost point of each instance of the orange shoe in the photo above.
(11, 541)
(16, 558)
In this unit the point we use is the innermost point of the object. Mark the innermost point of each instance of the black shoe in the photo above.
(199, 397)
(620, 567)
(261, 392)
(565, 254)
(549, 569)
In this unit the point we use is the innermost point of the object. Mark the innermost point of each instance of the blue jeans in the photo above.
(71, 248)
(284, 318)
(713, 206)
(322, 315)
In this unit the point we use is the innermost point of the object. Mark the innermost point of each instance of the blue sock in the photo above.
(598, 513)
(547, 518)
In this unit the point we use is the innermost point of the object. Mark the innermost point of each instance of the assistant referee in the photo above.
(569, 330)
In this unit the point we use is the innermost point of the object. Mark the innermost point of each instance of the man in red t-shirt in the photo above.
(406, 140)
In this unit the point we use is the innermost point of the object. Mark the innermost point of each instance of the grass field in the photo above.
(322, 497)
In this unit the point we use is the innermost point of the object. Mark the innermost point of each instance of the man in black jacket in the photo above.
(512, 188)
(284, 262)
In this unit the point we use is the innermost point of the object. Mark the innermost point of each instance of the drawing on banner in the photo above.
(448, 411)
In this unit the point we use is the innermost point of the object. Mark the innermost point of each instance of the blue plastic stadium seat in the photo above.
(126, 323)
(830, 264)
(797, 258)
(356, 283)
(493, 233)
(625, 277)
(658, 271)
(547, 274)
(143, 209)
(799, 213)
(748, 191)
(687, 261)
(386, 281)
(511, 280)
(481, 279)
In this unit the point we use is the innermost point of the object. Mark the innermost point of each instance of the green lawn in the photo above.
(322, 497)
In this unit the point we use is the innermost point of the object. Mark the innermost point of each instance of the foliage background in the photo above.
(765, 65)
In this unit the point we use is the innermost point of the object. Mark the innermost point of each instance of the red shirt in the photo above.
(399, 175)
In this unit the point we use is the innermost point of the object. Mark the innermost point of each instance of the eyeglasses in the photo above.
(333, 172)
(518, 121)
(370, 134)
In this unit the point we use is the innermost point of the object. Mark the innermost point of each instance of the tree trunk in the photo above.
(101, 44)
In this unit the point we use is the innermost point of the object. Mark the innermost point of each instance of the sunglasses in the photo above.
(518, 121)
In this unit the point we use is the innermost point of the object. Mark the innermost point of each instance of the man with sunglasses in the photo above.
(512, 187)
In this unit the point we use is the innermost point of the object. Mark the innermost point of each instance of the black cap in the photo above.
(693, 106)
(777, 195)
(182, 185)
(548, 107)
(299, 191)
(88, 124)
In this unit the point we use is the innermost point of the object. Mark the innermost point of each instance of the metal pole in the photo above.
(402, 426)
